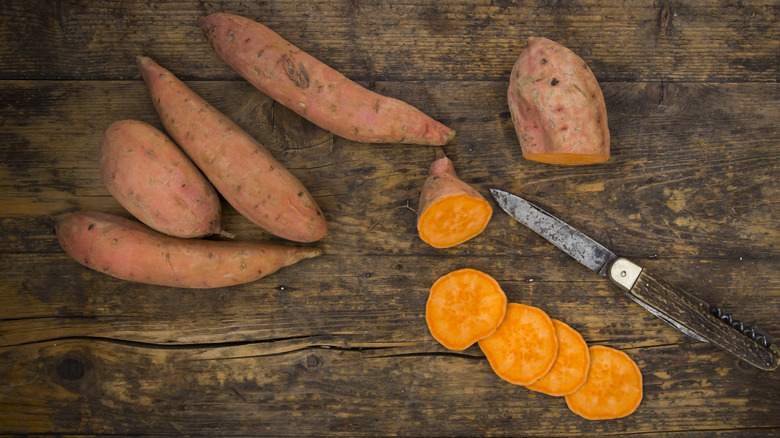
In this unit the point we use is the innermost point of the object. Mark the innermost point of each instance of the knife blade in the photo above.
(680, 309)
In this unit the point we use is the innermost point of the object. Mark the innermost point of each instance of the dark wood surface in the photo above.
(338, 345)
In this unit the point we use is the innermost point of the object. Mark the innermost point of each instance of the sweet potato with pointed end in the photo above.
(557, 106)
(317, 92)
(613, 388)
(152, 178)
(524, 347)
(451, 211)
(463, 307)
(241, 169)
(571, 365)
(129, 250)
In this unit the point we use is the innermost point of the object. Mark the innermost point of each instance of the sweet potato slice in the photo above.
(451, 210)
(463, 307)
(524, 347)
(613, 388)
(570, 369)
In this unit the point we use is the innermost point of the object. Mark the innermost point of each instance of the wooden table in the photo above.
(338, 345)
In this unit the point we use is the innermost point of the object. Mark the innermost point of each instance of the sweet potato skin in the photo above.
(557, 106)
(241, 169)
(317, 92)
(129, 250)
(153, 179)
(443, 182)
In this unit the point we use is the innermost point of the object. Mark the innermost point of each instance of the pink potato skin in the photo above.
(317, 92)
(153, 179)
(556, 104)
(241, 169)
(129, 250)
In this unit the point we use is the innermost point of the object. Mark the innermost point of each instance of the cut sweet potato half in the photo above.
(570, 369)
(463, 307)
(613, 388)
(524, 347)
(451, 210)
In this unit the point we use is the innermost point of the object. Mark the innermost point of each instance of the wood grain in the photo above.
(302, 387)
(445, 40)
(338, 345)
(674, 186)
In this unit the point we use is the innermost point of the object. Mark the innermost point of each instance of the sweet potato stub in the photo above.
(463, 307)
(453, 220)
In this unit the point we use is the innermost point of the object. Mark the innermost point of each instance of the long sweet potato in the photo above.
(129, 250)
(557, 106)
(317, 92)
(463, 307)
(153, 179)
(241, 169)
(451, 211)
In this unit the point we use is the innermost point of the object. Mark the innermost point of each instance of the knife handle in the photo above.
(691, 315)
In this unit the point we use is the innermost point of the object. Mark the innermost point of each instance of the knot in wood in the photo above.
(70, 369)
(313, 361)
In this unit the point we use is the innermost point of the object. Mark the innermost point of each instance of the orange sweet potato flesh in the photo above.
(129, 250)
(463, 307)
(241, 169)
(557, 106)
(314, 90)
(451, 211)
(155, 181)
(524, 347)
(613, 388)
(571, 365)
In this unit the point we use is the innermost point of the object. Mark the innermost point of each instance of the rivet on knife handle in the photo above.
(693, 316)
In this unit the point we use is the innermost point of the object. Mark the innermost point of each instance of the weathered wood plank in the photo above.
(358, 301)
(694, 172)
(378, 41)
(295, 387)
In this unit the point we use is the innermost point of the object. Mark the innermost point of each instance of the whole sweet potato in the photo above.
(153, 179)
(129, 250)
(557, 106)
(256, 184)
(314, 90)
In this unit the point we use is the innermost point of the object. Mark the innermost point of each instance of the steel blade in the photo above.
(579, 246)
